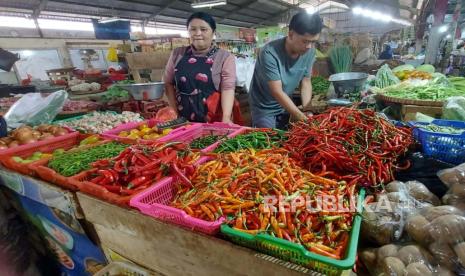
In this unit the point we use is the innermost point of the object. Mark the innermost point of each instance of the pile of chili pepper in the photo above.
(238, 186)
(205, 141)
(260, 138)
(346, 143)
(69, 163)
(140, 166)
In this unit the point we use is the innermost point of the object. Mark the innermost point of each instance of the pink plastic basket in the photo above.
(113, 134)
(155, 202)
(201, 130)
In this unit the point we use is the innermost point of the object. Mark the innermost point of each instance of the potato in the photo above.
(398, 197)
(419, 191)
(415, 227)
(448, 228)
(453, 176)
(443, 254)
(395, 186)
(459, 249)
(368, 257)
(442, 271)
(434, 212)
(389, 250)
(393, 266)
(410, 254)
(417, 269)
(381, 227)
(458, 190)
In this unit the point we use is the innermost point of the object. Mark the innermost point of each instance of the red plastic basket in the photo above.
(40, 145)
(81, 181)
(155, 202)
(201, 130)
(63, 142)
(40, 169)
(113, 134)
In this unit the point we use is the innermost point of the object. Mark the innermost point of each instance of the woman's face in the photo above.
(200, 34)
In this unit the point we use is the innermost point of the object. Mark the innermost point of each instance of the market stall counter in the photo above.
(172, 250)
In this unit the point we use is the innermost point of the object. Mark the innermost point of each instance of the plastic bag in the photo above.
(34, 109)
(112, 55)
(403, 259)
(454, 179)
(244, 72)
(454, 109)
(384, 221)
(166, 114)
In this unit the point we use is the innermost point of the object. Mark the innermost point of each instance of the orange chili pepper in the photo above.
(207, 212)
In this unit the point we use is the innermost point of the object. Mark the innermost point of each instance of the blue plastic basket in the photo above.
(445, 147)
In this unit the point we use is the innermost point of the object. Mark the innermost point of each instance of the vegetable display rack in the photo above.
(449, 148)
(155, 202)
(296, 253)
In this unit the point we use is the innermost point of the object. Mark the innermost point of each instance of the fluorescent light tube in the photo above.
(208, 4)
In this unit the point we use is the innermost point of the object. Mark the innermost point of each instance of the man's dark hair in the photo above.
(203, 16)
(305, 23)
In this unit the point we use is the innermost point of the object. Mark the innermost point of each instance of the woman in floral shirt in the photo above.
(195, 73)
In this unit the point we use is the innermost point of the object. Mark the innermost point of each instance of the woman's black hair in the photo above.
(203, 16)
(305, 23)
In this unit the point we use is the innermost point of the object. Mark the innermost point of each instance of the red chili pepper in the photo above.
(136, 181)
(107, 174)
(97, 179)
(184, 180)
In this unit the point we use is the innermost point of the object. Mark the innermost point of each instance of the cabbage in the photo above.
(428, 68)
(405, 67)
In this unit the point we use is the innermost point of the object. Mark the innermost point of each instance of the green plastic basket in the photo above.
(297, 253)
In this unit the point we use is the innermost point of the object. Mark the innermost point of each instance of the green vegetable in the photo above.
(385, 77)
(405, 67)
(257, 139)
(115, 94)
(341, 58)
(458, 82)
(320, 85)
(203, 142)
(428, 68)
(441, 129)
(73, 162)
(429, 91)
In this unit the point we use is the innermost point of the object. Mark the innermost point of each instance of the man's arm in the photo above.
(276, 90)
(306, 93)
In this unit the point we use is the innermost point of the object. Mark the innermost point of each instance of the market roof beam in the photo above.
(278, 15)
(163, 8)
(39, 8)
(236, 10)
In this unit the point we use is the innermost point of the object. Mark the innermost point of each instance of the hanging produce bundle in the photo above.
(341, 58)
(255, 139)
(350, 144)
(235, 185)
(139, 166)
(385, 77)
